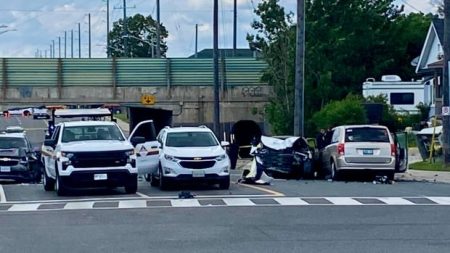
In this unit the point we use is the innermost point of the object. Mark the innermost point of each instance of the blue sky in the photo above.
(38, 22)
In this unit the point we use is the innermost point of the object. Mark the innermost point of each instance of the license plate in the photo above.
(198, 173)
(100, 176)
(5, 169)
(367, 151)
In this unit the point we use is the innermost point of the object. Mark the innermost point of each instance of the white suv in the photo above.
(89, 153)
(191, 154)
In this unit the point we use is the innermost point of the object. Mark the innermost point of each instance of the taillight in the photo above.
(341, 149)
(393, 149)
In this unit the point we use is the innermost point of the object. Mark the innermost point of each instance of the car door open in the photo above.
(147, 152)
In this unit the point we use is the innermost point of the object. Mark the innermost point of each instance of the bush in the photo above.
(344, 112)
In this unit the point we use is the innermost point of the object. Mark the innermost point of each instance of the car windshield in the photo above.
(86, 133)
(191, 139)
(366, 134)
(12, 142)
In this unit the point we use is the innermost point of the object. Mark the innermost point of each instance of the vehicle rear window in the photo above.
(366, 134)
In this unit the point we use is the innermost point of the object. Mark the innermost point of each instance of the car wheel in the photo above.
(49, 183)
(131, 185)
(224, 184)
(60, 187)
(154, 181)
(163, 184)
(334, 172)
(390, 175)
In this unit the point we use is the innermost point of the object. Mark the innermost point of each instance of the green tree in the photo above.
(141, 37)
(343, 112)
(347, 41)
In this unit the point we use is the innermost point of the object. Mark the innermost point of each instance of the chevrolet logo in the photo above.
(197, 158)
(5, 159)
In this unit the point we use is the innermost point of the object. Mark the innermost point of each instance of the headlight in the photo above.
(221, 158)
(67, 155)
(170, 158)
(129, 152)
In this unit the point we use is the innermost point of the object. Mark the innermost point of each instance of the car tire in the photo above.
(390, 175)
(163, 184)
(49, 183)
(60, 187)
(132, 185)
(154, 181)
(334, 172)
(225, 184)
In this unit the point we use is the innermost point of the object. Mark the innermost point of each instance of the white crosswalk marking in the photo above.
(24, 207)
(343, 201)
(440, 200)
(289, 201)
(185, 202)
(395, 201)
(238, 202)
(132, 203)
(79, 205)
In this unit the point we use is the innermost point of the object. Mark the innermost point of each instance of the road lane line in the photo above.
(343, 201)
(184, 203)
(238, 202)
(79, 205)
(289, 201)
(272, 192)
(23, 207)
(440, 200)
(395, 201)
(2, 195)
(132, 204)
(142, 195)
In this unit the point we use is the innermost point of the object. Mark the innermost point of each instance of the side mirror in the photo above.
(137, 140)
(224, 143)
(50, 143)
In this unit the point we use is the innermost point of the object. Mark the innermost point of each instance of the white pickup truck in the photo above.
(97, 154)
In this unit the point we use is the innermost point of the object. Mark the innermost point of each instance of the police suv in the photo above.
(89, 154)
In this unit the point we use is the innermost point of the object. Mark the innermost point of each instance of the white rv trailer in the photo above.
(404, 96)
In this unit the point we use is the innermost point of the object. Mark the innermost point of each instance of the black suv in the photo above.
(18, 161)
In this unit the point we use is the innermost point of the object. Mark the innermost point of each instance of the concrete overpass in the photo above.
(182, 87)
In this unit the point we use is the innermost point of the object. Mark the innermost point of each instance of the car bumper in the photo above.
(341, 164)
(208, 178)
(175, 170)
(85, 179)
(18, 172)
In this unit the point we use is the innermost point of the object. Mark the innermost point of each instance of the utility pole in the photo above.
(446, 87)
(79, 40)
(158, 30)
(125, 28)
(234, 27)
(89, 22)
(216, 120)
(71, 43)
(65, 44)
(59, 46)
(108, 52)
(51, 51)
(196, 40)
(53, 47)
(299, 102)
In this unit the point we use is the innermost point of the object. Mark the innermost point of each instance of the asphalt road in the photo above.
(288, 216)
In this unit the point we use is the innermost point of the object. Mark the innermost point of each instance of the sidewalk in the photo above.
(424, 176)
(123, 125)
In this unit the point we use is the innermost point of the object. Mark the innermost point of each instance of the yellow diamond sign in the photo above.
(148, 99)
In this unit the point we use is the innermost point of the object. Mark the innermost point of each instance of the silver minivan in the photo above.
(360, 147)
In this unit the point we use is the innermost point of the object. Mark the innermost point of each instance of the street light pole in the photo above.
(158, 30)
(216, 120)
(108, 50)
(53, 47)
(71, 43)
(89, 22)
(234, 27)
(79, 40)
(65, 44)
(196, 40)
(446, 86)
(59, 46)
(125, 28)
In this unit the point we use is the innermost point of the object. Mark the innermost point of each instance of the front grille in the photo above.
(197, 165)
(9, 163)
(200, 158)
(99, 159)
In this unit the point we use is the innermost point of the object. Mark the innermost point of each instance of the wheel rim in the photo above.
(57, 184)
(333, 170)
